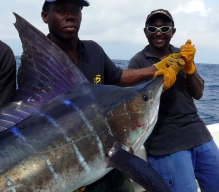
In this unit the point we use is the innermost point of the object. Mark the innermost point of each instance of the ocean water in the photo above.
(208, 105)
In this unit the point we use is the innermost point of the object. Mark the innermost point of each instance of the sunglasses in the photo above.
(163, 29)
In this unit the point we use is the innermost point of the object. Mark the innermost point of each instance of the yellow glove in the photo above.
(176, 62)
(80, 189)
(163, 63)
(169, 77)
(188, 53)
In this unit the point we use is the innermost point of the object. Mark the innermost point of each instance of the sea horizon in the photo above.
(17, 57)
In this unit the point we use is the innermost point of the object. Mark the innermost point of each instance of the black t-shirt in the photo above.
(96, 65)
(179, 126)
(7, 73)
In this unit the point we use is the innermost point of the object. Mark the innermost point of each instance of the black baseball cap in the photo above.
(81, 2)
(161, 12)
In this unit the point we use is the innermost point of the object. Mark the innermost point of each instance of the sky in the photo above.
(117, 25)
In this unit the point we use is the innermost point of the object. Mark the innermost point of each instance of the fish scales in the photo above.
(74, 144)
(66, 141)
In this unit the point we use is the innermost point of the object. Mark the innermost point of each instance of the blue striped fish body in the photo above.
(56, 149)
(63, 146)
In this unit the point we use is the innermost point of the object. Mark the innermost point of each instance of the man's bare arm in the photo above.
(195, 85)
(132, 76)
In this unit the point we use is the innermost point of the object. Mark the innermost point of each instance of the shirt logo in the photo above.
(97, 79)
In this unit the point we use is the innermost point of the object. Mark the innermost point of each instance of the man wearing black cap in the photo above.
(180, 148)
(64, 18)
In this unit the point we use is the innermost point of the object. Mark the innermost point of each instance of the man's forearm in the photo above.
(195, 85)
(132, 76)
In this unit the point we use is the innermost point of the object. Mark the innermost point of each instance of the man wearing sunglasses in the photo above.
(180, 148)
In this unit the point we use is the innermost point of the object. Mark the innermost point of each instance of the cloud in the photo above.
(192, 7)
(118, 25)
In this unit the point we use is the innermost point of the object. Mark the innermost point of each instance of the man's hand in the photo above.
(176, 62)
(188, 53)
(162, 64)
(169, 77)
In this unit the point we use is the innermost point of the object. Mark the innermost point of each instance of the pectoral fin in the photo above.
(137, 169)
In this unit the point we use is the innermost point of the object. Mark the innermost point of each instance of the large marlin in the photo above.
(61, 132)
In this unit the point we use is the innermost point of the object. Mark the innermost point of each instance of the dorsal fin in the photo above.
(47, 72)
(47, 69)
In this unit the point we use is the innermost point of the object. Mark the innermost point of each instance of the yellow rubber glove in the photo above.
(176, 62)
(174, 65)
(188, 53)
(169, 77)
(162, 64)
(80, 189)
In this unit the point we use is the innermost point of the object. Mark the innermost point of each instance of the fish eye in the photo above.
(145, 98)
